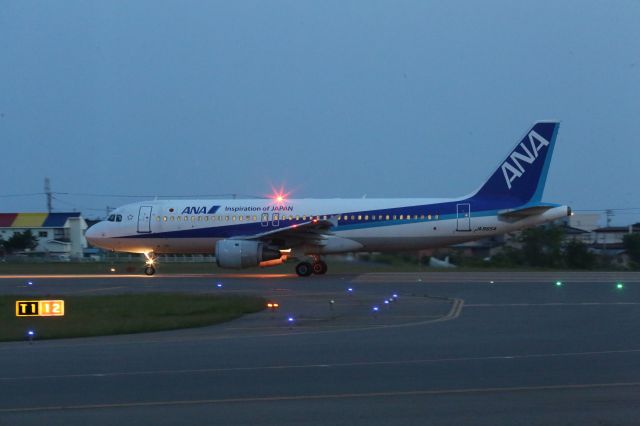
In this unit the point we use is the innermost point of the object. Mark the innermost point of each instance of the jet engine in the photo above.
(238, 254)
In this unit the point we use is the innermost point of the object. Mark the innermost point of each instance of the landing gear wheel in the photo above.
(304, 269)
(149, 270)
(319, 267)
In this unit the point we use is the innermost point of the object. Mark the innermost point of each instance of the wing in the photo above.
(313, 232)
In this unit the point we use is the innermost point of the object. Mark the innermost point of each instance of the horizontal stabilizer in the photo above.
(524, 212)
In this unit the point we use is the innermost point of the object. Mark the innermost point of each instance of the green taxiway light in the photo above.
(619, 286)
(558, 283)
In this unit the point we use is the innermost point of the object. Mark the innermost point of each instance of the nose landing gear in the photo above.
(149, 268)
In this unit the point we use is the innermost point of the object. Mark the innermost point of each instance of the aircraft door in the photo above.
(464, 217)
(144, 219)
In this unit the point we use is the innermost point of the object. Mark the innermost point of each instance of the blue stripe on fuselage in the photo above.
(444, 211)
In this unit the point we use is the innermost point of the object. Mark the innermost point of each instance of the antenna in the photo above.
(47, 191)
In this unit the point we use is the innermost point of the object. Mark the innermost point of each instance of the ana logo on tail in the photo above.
(512, 168)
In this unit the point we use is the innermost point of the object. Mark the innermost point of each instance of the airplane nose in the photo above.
(94, 235)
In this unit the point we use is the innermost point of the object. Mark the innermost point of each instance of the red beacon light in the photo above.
(279, 196)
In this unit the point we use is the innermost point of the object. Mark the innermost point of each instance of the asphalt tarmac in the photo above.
(453, 348)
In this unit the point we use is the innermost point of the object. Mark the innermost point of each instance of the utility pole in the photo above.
(47, 191)
(609, 214)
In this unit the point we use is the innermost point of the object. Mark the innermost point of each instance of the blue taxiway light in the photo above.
(219, 285)
(395, 296)
(31, 333)
(350, 290)
(375, 309)
(290, 319)
(386, 302)
(29, 282)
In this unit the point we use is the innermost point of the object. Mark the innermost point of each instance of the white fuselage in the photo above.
(194, 226)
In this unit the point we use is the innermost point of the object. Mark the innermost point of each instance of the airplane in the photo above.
(266, 232)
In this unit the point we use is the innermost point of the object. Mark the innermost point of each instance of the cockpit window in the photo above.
(112, 218)
(119, 218)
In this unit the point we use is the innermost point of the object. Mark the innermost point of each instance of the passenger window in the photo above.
(226, 218)
(401, 217)
(206, 218)
(366, 217)
(359, 217)
(186, 218)
(171, 218)
(387, 217)
(255, 218)
(395, 217)
(233, 218)
(353, 217)
(179, 218)
(240, 218)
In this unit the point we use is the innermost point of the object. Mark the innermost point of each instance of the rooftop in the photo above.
(35, 220)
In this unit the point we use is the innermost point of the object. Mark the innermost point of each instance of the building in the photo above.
(58, 234)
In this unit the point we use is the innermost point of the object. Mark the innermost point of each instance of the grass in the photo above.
(124, 314)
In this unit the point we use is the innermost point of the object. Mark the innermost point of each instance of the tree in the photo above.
(578, 256)
(541, 246)
(632, 246)
(20, 241)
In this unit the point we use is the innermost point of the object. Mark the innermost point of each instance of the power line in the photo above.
(226, 195)
(30, 194)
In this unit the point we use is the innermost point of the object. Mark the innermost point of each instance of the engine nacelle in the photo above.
(238, 254)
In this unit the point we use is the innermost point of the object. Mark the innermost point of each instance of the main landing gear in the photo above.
(318, 267)
(149, 268)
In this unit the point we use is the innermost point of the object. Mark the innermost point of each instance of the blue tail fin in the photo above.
(520, 178)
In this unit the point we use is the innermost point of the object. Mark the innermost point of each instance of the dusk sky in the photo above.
(327, 98)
